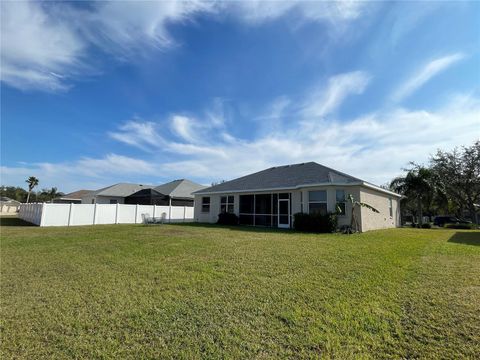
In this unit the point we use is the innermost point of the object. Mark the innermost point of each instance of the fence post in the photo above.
(154, 208)
(42, 214)
(136, 211)
(70, 214)
(184, 213)
(94, 212)
(116, 214)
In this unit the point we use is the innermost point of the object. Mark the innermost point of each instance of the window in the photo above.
(113, 201)
(390, 206)
(226, 204)
(340, 198)
(206, 204)
(317, 202)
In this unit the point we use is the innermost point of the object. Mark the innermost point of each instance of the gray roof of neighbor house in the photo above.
(120, 190)
(289, 177)
(76, 194)
(179, 189)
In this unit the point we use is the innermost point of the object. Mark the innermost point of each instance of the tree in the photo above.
(32, 181)
(356, 205)
(458, 172)
(49, 194)
(419, 186)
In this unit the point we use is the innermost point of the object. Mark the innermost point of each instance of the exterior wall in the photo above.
(332, 201)
(102, 199)
(299, 202)
(9, 209)
(380, 201)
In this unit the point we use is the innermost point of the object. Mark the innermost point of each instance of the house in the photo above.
(72, 198)
(114, 194)
(271, 197)
(175, 193)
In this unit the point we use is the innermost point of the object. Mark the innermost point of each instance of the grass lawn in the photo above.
(197, 291)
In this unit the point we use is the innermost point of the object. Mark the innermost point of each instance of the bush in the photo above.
(227, 219)
(315, 222)
(459, 226)
(426, 226)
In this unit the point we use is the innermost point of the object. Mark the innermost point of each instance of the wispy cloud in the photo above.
(46, 44)
(323, 101)
(427, 72)
(85, 173)
(38, 51)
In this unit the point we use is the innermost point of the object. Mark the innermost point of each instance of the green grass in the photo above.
(186, 291)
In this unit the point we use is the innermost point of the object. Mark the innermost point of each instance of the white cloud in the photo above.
(46, 44)
(37, 50)
(258, 11)
(427, 72)
(85, 173)
(374, 147)
(323, 101)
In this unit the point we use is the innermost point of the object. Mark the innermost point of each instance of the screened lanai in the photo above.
(265, 209)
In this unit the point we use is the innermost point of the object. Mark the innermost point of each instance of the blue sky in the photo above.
(99, 93)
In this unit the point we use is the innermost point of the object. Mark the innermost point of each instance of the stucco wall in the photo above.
(102, 199)
(380, 201)
(299, 203)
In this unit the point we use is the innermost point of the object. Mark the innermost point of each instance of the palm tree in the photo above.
(357, 204)
(419, 185)
(32, 181)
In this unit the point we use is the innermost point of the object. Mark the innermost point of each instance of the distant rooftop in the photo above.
(179, 189)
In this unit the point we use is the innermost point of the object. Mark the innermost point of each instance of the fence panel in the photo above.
(144, 209)
(92, 214)
(55, 214)
(106, 214)
(82, 214)
(126, 214)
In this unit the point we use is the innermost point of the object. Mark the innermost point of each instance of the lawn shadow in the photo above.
(467, 238)
(13, 221)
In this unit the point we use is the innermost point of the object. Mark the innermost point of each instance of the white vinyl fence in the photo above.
(93, 214)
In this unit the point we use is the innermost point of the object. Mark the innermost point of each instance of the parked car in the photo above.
(442, 220)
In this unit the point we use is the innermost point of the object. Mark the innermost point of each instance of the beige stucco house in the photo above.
(271, 197)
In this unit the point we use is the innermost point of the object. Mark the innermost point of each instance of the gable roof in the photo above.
(289, 177)
(120, 190)
(179, 189)
(76, 194)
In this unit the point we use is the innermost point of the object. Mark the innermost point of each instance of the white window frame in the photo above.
(204, 204)
(227, 203)
(317, 201)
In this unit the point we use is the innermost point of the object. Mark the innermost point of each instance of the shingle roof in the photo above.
(180, 189)
(76, 194)
(121, 189)
(286, 177)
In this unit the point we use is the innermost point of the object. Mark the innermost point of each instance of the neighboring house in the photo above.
(271, 197)
(175, 193)
(72, 198)
(8, 206)
(114, 194)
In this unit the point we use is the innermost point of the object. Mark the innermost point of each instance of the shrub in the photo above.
(426, 226)
(227, 219)
(459, 226)
(315, 222)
